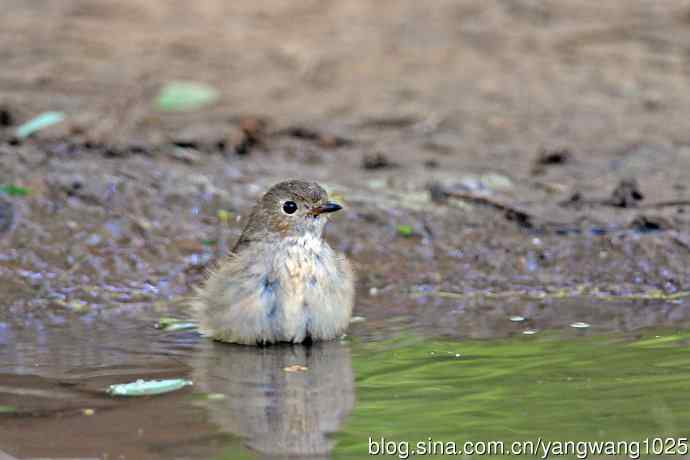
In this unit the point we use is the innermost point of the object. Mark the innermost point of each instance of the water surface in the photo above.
(401, 383)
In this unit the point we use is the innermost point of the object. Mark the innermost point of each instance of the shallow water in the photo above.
(326, 401)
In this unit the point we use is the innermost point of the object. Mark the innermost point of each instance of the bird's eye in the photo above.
(289, 207)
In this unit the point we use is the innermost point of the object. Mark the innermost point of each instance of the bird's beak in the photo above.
(325, 208)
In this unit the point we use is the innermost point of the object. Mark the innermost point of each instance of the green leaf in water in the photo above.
(182, 326)
(14, 190)
(148, 387)
(178, 96)
(174, 324)
(38, 123)
(208, 397)
(405, 230)
(165, 322)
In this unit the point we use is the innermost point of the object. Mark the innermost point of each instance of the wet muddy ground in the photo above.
(496, 159)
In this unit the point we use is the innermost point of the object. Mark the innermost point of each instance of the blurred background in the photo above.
(499, 71)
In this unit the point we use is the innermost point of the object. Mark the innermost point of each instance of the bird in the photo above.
(281, 282)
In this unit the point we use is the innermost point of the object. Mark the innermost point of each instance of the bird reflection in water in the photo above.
(284, 399)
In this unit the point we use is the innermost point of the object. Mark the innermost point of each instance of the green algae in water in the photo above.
(582, 389)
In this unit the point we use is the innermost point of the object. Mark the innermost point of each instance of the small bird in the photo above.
(282, 282)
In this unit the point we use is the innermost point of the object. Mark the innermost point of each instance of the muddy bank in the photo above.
(119, 233)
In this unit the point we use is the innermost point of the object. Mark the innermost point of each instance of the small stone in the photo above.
(295, 368)
(186, 155)
(431, 163)
(650, 223)
(93, 240)
(376, 160)
(626, 194)
(6, 118)
(554, 156)
(187, 245)
(329, 141)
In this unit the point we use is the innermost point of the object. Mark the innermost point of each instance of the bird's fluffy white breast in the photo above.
(303, 257)
(308, 241)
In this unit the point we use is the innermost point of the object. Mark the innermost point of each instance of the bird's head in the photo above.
(292, 208)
